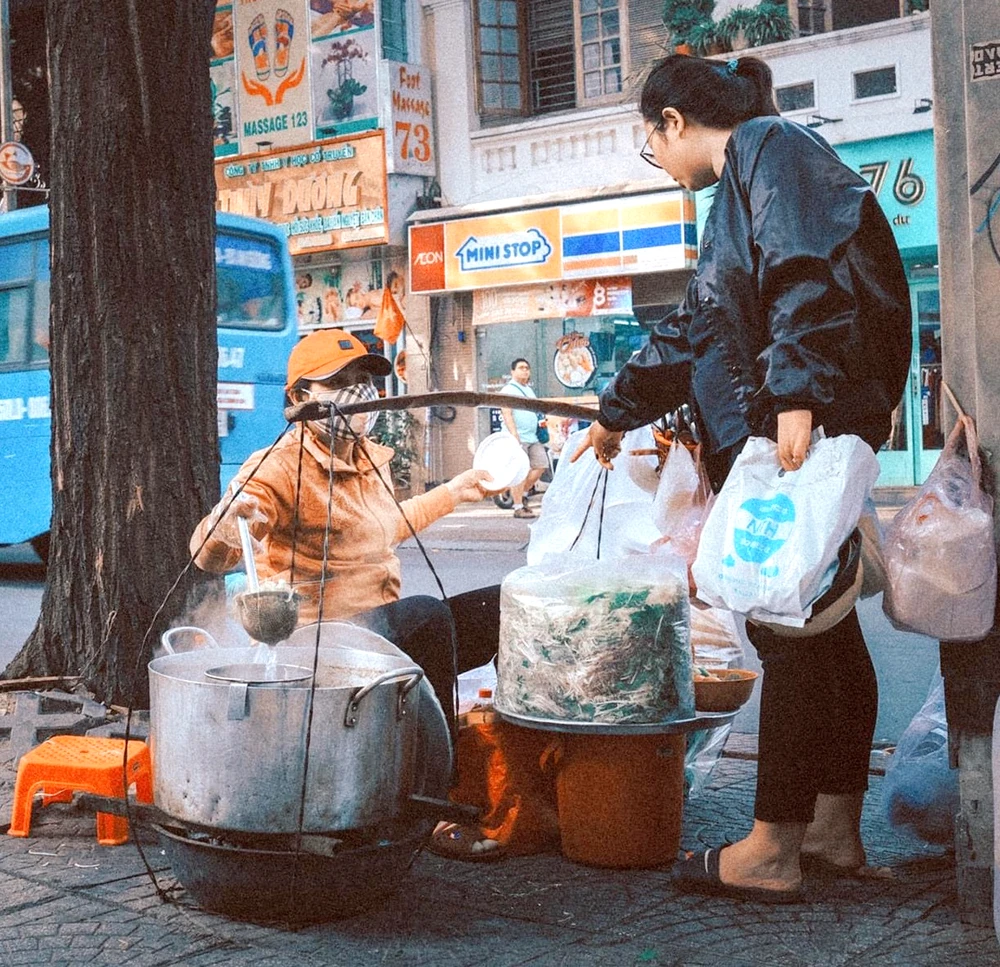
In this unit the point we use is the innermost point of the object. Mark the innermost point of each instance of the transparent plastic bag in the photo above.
(941, 562)
(873, 578)
(704, 749)
(602, 642)
(682, 502)
(920, 791)
(716, 641)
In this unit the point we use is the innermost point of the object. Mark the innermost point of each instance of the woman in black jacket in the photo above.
(797, 317)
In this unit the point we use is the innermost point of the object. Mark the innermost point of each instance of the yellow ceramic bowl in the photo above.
(723, 690)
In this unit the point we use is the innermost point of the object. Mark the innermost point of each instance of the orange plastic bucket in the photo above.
(620, 799)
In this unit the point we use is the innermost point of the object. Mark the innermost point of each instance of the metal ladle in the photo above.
(269, 616)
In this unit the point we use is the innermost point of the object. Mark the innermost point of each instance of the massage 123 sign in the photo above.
(271, 42)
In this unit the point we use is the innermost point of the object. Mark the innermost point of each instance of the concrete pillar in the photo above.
(967, 121)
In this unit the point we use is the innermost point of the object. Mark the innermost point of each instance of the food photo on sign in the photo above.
(574, 362)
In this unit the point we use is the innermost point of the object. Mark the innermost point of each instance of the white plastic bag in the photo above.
(941, 564)
(587, 509)
(769, 547)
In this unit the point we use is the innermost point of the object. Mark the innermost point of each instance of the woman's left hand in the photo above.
(794, 434)
(468, 485)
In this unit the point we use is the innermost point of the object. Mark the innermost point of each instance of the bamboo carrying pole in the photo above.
(318, 409)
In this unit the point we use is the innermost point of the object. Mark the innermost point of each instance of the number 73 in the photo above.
(421, 135)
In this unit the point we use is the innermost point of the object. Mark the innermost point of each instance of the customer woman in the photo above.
(797, 317)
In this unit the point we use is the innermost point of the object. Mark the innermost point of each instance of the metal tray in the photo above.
(701, 720)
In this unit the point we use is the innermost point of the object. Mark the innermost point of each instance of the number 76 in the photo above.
(908, 189)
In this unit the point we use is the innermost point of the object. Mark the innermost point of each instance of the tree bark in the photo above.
(132, 329)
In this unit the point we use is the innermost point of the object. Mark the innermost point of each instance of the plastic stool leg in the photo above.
(20, 819)
(112, 830)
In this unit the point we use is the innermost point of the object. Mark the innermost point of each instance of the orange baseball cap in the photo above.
(326, 352)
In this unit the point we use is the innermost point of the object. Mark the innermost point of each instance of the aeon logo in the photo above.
(529, 247)
(428, 258)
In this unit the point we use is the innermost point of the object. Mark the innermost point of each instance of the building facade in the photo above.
(539, 140)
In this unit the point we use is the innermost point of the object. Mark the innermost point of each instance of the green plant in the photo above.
(767, 23)
(681, 16)
(398, 429)
(342, 99)
(705, 38)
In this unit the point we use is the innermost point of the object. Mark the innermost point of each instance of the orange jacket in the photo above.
(365, 526)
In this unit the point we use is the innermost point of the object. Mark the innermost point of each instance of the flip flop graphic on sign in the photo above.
(763, 526)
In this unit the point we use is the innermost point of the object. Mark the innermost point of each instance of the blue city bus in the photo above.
(257, 329)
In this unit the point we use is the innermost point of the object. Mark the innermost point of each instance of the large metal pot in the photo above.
(230, 754)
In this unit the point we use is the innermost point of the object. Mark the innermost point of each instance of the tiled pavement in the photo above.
(64, 900)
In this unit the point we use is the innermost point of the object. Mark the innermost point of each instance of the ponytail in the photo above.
(716, 94)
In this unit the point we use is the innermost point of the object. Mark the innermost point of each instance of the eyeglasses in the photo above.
(646, 153)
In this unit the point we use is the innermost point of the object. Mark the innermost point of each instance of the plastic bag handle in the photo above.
(966, 425)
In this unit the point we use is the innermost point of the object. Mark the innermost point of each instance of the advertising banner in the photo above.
(345, 59)
(631, 235)
(326, 196)
(901, 171)
(514, 248)
(222, 69)
(272, 66)
(577, 298)
(409, 119)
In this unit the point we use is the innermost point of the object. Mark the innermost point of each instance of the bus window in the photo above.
(40, 309)
(14, 303)
(249, 283)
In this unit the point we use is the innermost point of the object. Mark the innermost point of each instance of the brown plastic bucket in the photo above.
(620, 799)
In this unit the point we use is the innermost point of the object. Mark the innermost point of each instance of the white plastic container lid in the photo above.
(504, 459)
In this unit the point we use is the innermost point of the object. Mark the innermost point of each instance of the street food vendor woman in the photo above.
(288, 499)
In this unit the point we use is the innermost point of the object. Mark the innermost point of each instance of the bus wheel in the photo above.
(40, 545)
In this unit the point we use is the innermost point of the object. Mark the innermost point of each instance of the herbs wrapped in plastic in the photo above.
(606, 641)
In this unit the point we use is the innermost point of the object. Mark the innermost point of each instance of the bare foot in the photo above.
(754, 863)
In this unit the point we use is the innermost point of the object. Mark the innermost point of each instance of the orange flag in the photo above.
(390, 320)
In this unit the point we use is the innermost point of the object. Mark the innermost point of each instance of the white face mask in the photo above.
(361, 423)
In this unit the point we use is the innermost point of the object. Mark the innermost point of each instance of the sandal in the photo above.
(823, 869)
(699, 873)
(457, 842)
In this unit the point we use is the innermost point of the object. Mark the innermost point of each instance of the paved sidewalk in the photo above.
(64, 900)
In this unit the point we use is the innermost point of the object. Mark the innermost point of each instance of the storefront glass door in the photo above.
(917, 433)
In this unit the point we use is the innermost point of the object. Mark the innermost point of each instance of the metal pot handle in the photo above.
(166, 639)
(412, 672)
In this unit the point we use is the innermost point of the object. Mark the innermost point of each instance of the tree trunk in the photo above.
(133, 342)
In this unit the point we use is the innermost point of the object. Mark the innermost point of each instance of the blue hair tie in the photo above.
(733, 66)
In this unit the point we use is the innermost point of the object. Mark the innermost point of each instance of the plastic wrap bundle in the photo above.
(603, 642)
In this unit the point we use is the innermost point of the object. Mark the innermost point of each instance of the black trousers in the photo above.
(818, 704)
(442, 637)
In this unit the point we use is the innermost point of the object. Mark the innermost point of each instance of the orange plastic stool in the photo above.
(66, 764)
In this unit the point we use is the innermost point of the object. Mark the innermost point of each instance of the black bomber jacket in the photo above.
(799, 301)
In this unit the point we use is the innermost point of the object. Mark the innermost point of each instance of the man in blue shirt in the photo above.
(523, 425)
